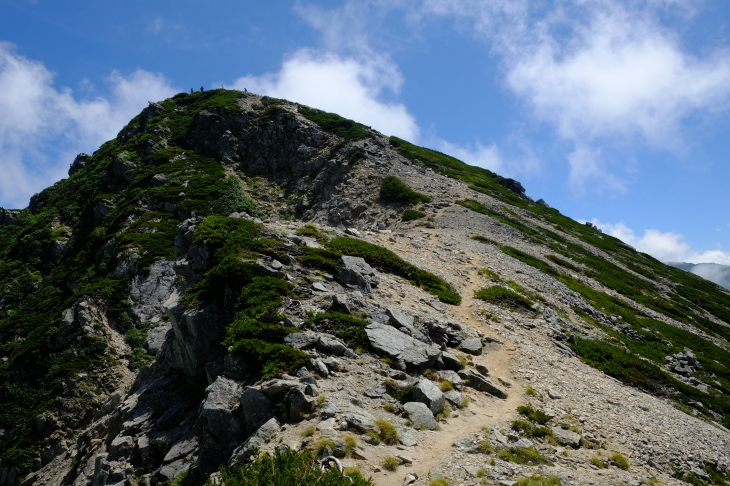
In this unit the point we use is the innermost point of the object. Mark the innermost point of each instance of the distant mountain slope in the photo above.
(720, 274)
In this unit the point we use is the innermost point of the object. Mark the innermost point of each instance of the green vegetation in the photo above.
(621, 461)
(288, 468)
(388, 432)
(393, 190)
(387, 261)
(331, 122)
(523, 455)
(438, 482)
(484, 239)
(533, 414)
(322, 259)
(485, 272)
(479, 179)
(311, 230)
(539, 481)
(411, 214)
(402, 393)
(528, 429)
(390, 463)
(349, 328)
(501, 296)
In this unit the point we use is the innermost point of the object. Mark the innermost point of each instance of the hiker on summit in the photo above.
(202, 89)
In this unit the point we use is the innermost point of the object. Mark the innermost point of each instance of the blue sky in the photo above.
(613, 111)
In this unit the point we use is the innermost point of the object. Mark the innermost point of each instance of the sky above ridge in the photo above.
(613, 111)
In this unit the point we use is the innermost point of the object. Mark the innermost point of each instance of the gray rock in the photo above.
(331, 345)
(220, 430)
(328, 411)
(400, 346)
(399, 318)
(79, 163)
(101, 209)
(454, 397)
(472, 346)
(258, 439)
(122, 447)
(340, 304)
(320, 286)
(407, 438)
(420, 416)
(451, 362)
(6, 217)
(452, 377)
(426, 392)
(356, 273)
(149, 292)
(554, 394)
(256, 409)
(481, 383)
(482, 369)
(361, 421)
(301, 340)
(566, 437)
(156, 337)
(375, 392)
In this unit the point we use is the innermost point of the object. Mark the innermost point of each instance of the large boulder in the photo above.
(426, 392)
(420, 416)
(409, 352)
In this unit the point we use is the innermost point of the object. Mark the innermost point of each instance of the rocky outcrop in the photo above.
(149, 292)
(79, 163)
(7, 215)
(407, 351)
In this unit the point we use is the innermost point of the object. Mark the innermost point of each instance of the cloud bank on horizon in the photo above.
(599, 74)
(664, 246)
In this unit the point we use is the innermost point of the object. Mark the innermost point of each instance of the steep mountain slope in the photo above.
(153, 326)
(720, 274)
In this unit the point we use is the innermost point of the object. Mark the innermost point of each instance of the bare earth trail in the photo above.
(482, 411)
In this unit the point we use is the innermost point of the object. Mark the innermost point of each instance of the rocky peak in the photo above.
(236, 273)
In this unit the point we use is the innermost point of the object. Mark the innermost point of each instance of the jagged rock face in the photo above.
(153, 320)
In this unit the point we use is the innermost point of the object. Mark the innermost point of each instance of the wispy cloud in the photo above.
(664, 246)
(352, 87)
(600, 72)
(42, 128)
(155, 25)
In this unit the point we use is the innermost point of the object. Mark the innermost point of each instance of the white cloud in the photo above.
(601, 72)
(667, 247)
(42, 128)
(348, 86)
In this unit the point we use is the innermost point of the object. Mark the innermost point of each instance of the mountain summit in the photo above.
(236, 274)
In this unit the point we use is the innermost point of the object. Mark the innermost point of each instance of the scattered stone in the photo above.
(420, 416)
(554, 394)
(566, 437)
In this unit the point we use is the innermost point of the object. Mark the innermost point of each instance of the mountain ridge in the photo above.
(229, 257)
